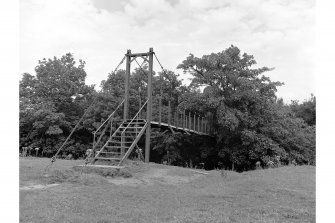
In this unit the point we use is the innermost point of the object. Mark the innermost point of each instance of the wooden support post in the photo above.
(169, 115)
(201, 125)
(126, 95)
(149, 107)
(205, 126)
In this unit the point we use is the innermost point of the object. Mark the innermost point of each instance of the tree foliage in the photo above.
(248, 122)
(305, 110)
(52, 101)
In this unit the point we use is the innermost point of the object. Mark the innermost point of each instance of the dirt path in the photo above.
(37, 186)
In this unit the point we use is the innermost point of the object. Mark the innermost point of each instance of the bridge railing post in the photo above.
(160, 108)
(194, 122)
(178, 119)
(184, 120)
(175, 120)
(199, 124)
(189, 122)
(169, 115)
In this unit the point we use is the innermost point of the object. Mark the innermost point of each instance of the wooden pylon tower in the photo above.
(149, 58)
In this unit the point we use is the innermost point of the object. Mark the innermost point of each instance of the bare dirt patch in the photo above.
(158, 175)
(37, 186)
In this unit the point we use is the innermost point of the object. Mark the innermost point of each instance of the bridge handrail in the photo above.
(95, 143)
(135, 116)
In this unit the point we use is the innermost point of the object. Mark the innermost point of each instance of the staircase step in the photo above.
(119, 141)
(126, 141)
(139, 127)
(105, 158)
(115, 147)
(140, 119)
(113, 141)
(122, 136)
(133, 123)
(130, 132)
(114, 153)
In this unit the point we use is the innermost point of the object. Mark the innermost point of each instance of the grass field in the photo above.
(158, 193)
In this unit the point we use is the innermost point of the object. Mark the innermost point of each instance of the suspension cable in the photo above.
(53, 159)
(141, 66)
(117, 67)
(160, 64)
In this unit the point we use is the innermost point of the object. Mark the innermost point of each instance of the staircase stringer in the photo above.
(118, 129)
(133, 144)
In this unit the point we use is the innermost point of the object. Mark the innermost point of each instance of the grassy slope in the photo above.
(285, 194)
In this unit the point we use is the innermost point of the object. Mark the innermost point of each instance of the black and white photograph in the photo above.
(165, 111)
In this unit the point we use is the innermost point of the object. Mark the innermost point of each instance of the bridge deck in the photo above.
(175, 128)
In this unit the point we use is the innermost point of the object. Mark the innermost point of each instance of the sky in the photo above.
(279, 33)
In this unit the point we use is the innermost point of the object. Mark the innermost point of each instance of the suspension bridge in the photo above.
(115, 140)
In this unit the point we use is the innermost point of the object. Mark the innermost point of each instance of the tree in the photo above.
(52, 102)
(247, 119)
(305, 110)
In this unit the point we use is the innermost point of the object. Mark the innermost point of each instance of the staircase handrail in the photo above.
(135, 116)
(110, 116)
(95, 143)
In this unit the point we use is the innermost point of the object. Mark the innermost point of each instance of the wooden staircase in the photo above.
(122, 142)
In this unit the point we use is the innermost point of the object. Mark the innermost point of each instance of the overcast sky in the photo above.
(279, 33)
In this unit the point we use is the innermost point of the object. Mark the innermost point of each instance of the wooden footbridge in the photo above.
(121, 142)
(115, 139)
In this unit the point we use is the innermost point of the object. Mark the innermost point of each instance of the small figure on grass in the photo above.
(139, 154)
(271, 164)
(277, 161)
(36, 151)
(30, 148)
(24, 151)
(294, 162)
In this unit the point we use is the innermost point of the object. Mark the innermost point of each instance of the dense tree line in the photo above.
(249, 123)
